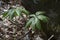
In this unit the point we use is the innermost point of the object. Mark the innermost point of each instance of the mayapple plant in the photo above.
(34, 21)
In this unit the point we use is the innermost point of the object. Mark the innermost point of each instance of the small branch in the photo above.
(51, 37)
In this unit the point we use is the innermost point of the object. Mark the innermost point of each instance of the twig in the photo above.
(51, 37)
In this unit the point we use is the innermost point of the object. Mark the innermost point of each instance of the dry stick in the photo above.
(51, 37)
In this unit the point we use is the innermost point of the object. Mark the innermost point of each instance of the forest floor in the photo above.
(13, 30)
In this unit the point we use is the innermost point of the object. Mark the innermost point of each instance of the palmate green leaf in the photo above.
(29, 22)
(11, 13)
(33, 24)
(40, 12)
(33, 15)
(43, 18)
(18, 11)
(22, 9)
(38, 25)
(36, 19)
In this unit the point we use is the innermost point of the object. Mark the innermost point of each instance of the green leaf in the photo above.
(32, 15)
(18, 11)
(38, 25)
(29, 22)
(11, 13)
(43, 18)
(26, 12)
(22, 9)
(40, 13)
(5, 14)
(15, 14)
(36, 19)
(33, 25)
